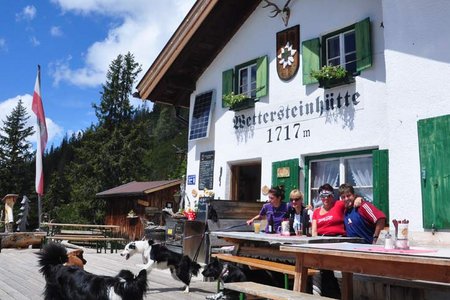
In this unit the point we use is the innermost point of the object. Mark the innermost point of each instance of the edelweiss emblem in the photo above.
(286, 56)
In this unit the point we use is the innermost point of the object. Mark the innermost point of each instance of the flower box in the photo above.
(243, 104)
(328, 83)
(330, 76)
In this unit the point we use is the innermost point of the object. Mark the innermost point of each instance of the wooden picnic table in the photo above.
(264, 250)
(100, 226)
(54, 228)
(415, 263)
(100, 235)
(267, 246)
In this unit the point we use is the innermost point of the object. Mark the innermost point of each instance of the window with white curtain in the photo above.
(354, 170)
(247, 80)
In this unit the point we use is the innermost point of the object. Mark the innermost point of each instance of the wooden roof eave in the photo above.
(207, 28)
(177, 42)
(162, 187)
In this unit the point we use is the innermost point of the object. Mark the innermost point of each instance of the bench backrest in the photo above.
(232, 216)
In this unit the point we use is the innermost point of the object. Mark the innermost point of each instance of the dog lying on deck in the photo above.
(73, 283)
(181, 266)
(75, 258)
(227, 272)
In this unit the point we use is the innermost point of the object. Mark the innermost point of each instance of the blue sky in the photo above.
(74, 41)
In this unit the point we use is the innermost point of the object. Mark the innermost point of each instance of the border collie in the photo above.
(181, 266)
(74, 283)
(224, 272)
(227, 272)
(75, 258)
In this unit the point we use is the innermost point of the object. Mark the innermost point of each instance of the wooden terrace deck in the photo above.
(20, 278)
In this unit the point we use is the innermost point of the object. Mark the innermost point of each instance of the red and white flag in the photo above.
(38, 109)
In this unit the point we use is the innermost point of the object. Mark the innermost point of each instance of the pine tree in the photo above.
(115, 107)
(15, 151)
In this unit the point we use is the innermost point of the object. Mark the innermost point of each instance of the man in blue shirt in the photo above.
(365, 221)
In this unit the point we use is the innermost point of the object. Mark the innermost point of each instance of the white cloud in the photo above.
(56, 31)
(3, 44)
(28, 13)
(145, 28)
(34, 41)
(54, 130)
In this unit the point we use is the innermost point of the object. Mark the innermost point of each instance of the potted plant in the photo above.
(331, 76)
(238, 102)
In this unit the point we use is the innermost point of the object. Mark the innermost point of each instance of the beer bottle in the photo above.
(270, 224)
(291, 217)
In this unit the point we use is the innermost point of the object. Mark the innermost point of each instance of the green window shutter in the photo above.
(363, 45)
(290, 181)
(381, 181)
(227, 83)
(310, 59)
(262, 76)
(434, 142)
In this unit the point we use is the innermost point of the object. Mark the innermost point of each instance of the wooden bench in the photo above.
(269, 292)
(100, 241)
(263, 264)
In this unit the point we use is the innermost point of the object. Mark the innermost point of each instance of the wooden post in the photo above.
(9, 200)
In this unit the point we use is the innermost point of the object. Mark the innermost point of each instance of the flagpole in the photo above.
(39, 196)
(39, 213)
(42, 136)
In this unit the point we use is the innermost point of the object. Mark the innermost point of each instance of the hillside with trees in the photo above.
(125, 144)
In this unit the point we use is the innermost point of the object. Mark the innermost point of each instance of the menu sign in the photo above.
(206, 172)
(202, 208)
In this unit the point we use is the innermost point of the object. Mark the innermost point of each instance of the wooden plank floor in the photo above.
(20, 278)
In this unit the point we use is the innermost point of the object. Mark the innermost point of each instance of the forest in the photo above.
(125, 144)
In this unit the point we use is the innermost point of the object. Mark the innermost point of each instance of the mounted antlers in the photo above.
(285, 12)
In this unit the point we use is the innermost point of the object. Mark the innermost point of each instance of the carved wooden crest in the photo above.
(288, 43)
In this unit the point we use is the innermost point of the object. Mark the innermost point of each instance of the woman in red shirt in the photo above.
(328, 220)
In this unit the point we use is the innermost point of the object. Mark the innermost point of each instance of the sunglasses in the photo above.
(295, 199)
(324, 197)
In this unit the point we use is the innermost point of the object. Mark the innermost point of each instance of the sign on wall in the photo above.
(287, 52)
(191, 180)
(206, 172)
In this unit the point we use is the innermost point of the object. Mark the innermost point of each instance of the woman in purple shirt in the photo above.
(275, 208)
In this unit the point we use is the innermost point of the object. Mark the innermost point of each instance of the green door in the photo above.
(434, 151)
(285, 173)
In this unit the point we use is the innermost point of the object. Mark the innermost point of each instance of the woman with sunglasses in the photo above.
(275, 209)
(298, 212)
(328, 220)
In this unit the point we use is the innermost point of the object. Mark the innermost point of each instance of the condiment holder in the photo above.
(285, 228)
(401, 234)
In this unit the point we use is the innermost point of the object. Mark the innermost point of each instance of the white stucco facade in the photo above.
(408, 81)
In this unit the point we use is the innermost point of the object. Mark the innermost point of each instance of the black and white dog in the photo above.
(227, 272)
(181, 266)
(72, 282)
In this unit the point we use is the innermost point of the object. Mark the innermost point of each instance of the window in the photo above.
(366, 170)
(341, 50)
(201, 116)
(247, 80)
(250, 78)
(356, 171)
(349, 47)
